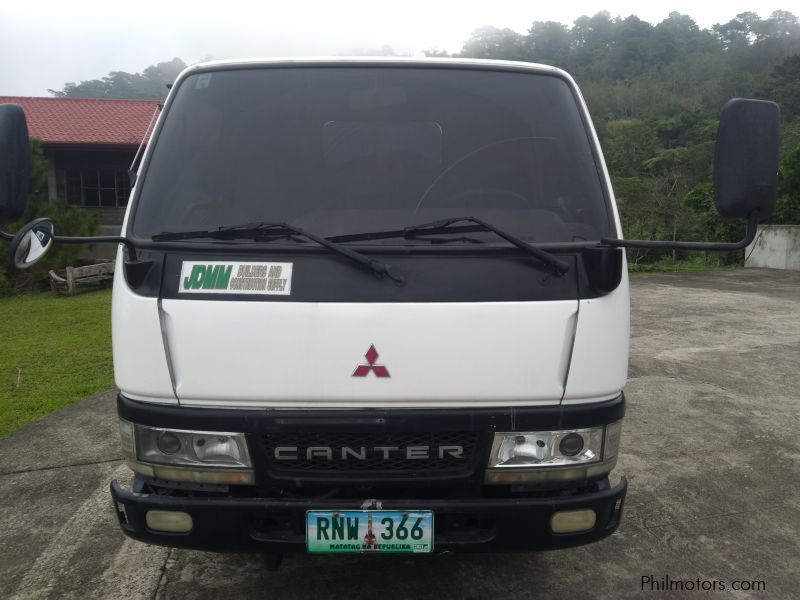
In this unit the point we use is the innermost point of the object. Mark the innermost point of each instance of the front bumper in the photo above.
(278, 525)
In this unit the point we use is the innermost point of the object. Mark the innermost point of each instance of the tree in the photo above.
(743, 29)
(709, 226)
(627, 144)
(436, 53)
(594, 33)
(491, 42)
(679, 36)
(592, 38)
(636, 213)
(784, 86)
(633, 49)
(549, 42)
(788, 206)
(150, 84)
(669, 185)
(781, 25)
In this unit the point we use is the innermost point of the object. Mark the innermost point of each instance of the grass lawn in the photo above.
(55, 350)
(669, 266)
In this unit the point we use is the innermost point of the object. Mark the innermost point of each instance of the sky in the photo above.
(44, 45)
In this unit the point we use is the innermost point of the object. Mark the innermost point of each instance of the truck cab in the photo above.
(370, 306)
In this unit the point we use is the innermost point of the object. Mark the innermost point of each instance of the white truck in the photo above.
(376, 305)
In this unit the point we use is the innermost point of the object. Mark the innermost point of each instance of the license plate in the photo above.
(369, 531)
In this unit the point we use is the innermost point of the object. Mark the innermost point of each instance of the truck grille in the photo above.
(367, 453)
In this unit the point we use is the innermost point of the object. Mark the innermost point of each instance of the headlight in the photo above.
(180, 455)
(547, 448)
(191, 448)
(540, 456)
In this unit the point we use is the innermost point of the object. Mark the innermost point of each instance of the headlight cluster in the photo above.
(188, 456)
(538, 456)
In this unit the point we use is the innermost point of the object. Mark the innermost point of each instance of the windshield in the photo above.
(341, 150)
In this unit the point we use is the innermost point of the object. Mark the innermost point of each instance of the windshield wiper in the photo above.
(560, 266)
(443, 226)
(263, 229)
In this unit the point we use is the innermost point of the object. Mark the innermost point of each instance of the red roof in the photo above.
(86, 121)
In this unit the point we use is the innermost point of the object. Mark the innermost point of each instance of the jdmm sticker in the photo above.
(217, 277)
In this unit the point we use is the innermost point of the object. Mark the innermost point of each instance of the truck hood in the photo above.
(306, 354)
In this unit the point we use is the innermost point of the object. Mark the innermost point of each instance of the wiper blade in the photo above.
(399, 233)
(449, 240)
(170, 236)
(269, 229)
(236, 231)
(443, 225)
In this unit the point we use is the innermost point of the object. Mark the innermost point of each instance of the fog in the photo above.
(46, 44)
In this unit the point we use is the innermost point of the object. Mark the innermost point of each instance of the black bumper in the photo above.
(273, 525)
(468, 515)
(469, 428)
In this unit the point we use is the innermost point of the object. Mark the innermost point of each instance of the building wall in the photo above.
(96, 181)
(775, 247)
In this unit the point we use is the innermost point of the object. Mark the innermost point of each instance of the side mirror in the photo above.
(746, 158)
(31, 243)
(15, 162)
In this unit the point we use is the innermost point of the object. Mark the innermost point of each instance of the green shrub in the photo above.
(66, 221)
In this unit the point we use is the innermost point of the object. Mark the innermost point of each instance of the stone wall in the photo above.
(775, 247)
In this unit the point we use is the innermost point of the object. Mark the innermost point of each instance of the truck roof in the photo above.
(353, 61)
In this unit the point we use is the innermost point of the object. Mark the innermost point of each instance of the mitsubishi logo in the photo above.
(371, 356)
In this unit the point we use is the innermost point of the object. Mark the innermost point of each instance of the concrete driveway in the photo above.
(710, 445)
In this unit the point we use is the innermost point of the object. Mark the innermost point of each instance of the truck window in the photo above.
(339, 150)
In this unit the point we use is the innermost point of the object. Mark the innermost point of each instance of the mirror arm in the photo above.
(752, 229)
(102, 239)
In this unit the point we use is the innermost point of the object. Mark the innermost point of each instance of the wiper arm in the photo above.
(443, 225)
(254, 230)
(399, 233)
(269, 228)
